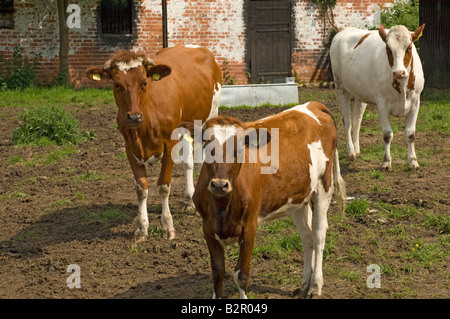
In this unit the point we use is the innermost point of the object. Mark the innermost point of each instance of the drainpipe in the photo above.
(164, 22)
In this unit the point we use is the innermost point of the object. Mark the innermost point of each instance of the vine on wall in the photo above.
(326, 12)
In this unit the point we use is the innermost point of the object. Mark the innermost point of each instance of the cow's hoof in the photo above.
(413, 165)
(189, 207)
(352, 157)
(140, 236)
(170, 235)
(386, 166)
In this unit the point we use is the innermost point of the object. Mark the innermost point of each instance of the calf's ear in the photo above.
(187, 131)
(418, 33)
(158, 72)
(382, 32)
(97, 73)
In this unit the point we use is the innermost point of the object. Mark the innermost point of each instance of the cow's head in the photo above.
(399, 43)
(132, 73)
(226, 143)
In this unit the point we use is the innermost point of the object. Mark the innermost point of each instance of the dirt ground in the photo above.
(51, 217)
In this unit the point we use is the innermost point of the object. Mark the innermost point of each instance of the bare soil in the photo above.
(47, 222)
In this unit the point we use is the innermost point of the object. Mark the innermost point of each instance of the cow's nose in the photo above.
(399, 74)
(219, 186)
(134, 119)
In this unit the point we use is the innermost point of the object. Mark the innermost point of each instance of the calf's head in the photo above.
(132, 74)
(227, 144)
(399, 43)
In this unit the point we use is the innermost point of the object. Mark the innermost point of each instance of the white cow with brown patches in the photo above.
(383, 68)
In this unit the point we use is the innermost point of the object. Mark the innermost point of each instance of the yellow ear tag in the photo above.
(96, 77)
(188, 138)
(156, 76)
(419, 35)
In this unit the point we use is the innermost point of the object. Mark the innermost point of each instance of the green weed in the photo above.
(46, 125)
(358, 207)
(440, 223)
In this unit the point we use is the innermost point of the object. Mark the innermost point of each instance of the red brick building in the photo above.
(255, 41)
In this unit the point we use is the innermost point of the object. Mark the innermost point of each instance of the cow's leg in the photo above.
(410, 128)
(140, 178)
(217, 257)
(302, 220)
(242, 270)
(357, 115)
(386, 128)
(321, 202)
(188, 166)
(163, 184)
(345, 104)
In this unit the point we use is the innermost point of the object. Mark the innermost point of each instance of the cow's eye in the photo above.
(118, 86)
(144, 85)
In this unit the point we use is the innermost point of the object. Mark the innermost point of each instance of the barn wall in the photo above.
(219, 25)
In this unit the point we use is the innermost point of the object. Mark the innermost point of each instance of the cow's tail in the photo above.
(339, 185)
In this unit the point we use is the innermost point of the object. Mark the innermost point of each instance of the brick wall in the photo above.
(219, 25)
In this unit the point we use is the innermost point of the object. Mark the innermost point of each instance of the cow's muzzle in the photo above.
(135, 119)
(399, 74)
(220, 187)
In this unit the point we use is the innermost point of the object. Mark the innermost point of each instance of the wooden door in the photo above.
(269, 40)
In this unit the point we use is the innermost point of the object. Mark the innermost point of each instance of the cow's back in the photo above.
(195, 75)
(303, 146)
(359, 63)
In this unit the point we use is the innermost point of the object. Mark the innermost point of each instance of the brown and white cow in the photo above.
(234, 192)
(153, 96)
(382, 68)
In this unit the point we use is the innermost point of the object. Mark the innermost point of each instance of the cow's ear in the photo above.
(261, 138)
(159, 71)
(187, 131)
(189, 126)
(382, 32)
(97, 73)
(418, 33)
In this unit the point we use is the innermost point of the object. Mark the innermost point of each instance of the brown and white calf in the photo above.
(153, 96)
(237, 190)
(382, 68)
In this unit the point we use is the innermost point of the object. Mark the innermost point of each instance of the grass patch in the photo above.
(359, 206)
(109, 215)
(426, 254)
(46, 125)
(52, 157)
(440, 223)
(434, 116)
(56, 96)
(14, 194)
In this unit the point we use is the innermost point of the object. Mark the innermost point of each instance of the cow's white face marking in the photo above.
(303, 108)
(124, 67)
(192, 46)
(222, 132)
(398, 39)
